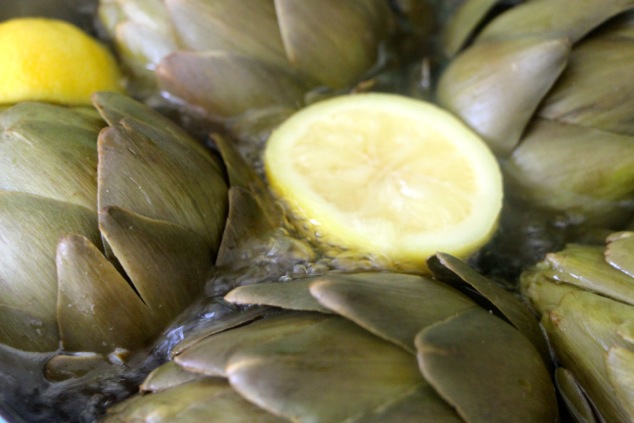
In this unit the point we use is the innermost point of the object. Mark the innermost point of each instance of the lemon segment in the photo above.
(51, 60)
(386, 176)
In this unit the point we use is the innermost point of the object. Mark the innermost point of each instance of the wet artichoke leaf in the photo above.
(454, 271)
(167, 376)
(237, 27)
(486, 369)
(226, 84)
(31, 227)
(166, 263)
(584, 266)
(582, 330)
(593, 192)
(97, 310)
(63, 367)
(618, 253)
(295, 295)
(40, 143)
(407, 303)
(462, 23)
(212, 355)
(595, 90)
(572, 394)
(476, 84)
(422, 404)
(150, 180)
(620, 366)
(206, 400)
(349, 48)
(571, 19)
(303, 376)
(220, 324)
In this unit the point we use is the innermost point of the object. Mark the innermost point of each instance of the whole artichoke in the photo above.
(358, 347)
(226, 57)
(110, 218)
(585, 297)
(547, 83)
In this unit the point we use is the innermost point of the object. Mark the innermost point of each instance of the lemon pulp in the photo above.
(386, 175)
(51, 60)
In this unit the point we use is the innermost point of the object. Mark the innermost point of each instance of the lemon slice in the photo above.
(51, 60)
(385, 176)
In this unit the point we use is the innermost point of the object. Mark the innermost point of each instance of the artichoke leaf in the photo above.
(457, 273)
(295, 295)
(138, 174)
(206, 400)
(618, 252)
(166, 263)
(222, 323)
(572, 394)
(41, 143)
(31, 227)
(422, 404)
(97, 309)
(476, 84)
(246, 28)
(486, 369)
(595, 186)
(331, 41)
(595, 90)
(462, 23)
(585, 266)
(571, 19)
(407, 303)
(25, 330)
(582, 330)
(303, 376)
(63, 367)
(167, 376)
(114, 107)
(620, 367)
(212, 355)
(226, 84)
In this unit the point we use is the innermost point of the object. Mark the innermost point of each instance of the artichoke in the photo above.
(358, 347)
(111, 216)
(552, 97)
(226, 57)
(585, 298)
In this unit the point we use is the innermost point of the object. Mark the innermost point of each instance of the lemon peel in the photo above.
(51, 60)
(385, 176)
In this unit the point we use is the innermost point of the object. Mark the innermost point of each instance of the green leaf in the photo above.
(207, 400)
(496, 86)
(331, 41)
(226, 84)
(486, 369)
(31, 227)
(211, 355)
(462, 23)
(166, 263)
(293, 295)
(572, 394)
(392, 306)
(328, 372)
(97, 310)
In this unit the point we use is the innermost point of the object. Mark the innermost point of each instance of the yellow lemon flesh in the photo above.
(386, 176)
(51, 60)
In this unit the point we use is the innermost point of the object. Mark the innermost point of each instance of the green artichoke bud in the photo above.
(110, 218)
(226, 57)
(585, 298)
(552, 97)
(358, 347)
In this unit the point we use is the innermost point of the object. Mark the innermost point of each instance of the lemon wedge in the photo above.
(385, 176)
(51, 60)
